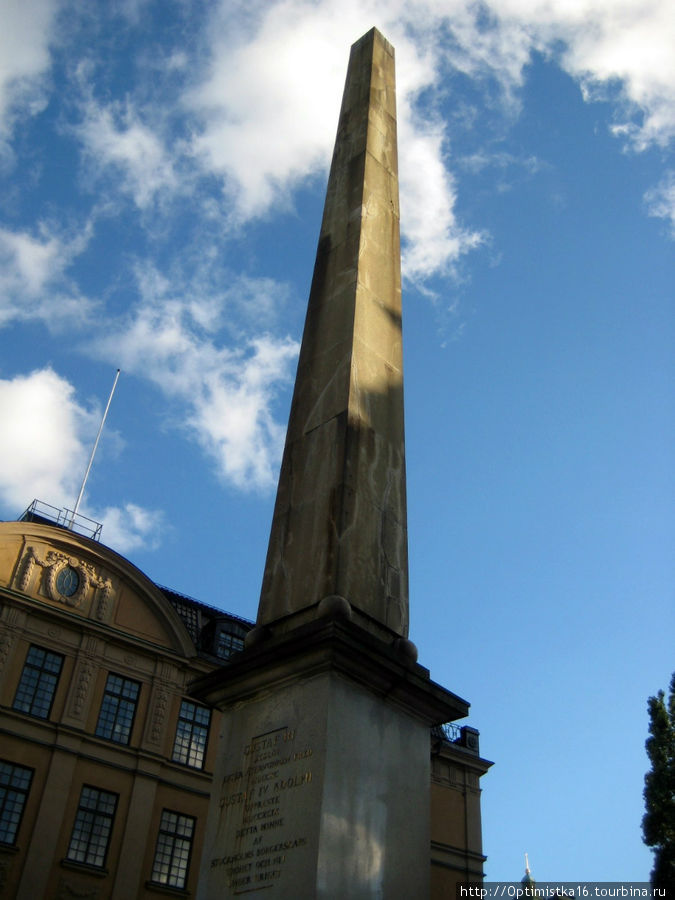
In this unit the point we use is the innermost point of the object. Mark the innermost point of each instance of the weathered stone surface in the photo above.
(322, 781)
(339, 523)
(308, 807)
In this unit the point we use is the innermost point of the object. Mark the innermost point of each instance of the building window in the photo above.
(93, 824)
(228, 643)
(191, 734)
(172, 854)
(14, 786)
(118, 709)
(37, 686)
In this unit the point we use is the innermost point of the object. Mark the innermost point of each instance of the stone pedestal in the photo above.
(322, 789)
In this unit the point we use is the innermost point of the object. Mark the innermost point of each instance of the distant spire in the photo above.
(527, 880)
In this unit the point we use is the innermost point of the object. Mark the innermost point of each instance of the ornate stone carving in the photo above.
(91, 647)
(12, 618)
(167, 673)
(91, 651)
(84, 678)
(103, 600)
(56, 563)
(159, 715)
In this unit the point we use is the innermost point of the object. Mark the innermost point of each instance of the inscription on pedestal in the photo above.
(256, 807)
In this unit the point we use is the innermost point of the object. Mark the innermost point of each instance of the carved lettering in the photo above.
(253, 800)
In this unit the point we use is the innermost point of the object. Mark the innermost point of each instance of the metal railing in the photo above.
(39, 511)
(451, 732)
(464, 736)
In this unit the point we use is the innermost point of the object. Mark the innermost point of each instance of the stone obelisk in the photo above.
(339, 526)
(323, 781)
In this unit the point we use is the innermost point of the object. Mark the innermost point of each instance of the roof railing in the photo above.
(461, 735)
(42, 512)
(451, 731)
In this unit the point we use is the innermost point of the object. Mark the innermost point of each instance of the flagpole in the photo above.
(93, 452)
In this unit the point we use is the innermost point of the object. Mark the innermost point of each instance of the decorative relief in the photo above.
(103, 600)
(159, 715)
(6, 644)
(91, 646)
(12, 619)
(91, 650)
(84, 678)
(168, 674)
(67, 579)
(29, 562)
(12, 616)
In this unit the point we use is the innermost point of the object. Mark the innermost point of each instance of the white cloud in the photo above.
(114, 137)
(661, 200)
(268, 103)
(45, 443)
(171, 338)
(24, 56)
(265, 102)
(33, 284)
(617, 49)
(435, 240)
(41, 449)
(130, 527)
(269, 107)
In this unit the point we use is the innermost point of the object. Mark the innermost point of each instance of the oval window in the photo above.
(67, 581)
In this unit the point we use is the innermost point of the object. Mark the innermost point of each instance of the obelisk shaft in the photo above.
(339, 523)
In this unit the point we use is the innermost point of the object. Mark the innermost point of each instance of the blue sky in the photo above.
(163, 168)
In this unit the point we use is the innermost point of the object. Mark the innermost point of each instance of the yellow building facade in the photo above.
(105, 760)
(456, 834)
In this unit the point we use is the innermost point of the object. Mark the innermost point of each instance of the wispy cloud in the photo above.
(263, 98)
(33, 276)
(27, 29)
(268, 109)
(661, 200)
(175, 338)
(130, 527)
(116, 138)
(435, 239)
(267, 123)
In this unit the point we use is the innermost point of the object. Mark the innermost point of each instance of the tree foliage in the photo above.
(658, 823)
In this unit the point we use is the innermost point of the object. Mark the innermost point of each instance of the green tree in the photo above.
(658, 823)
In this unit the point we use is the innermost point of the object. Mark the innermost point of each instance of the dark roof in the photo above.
(197, 616)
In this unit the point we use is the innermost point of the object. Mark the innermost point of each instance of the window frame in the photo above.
(229, 642)
(171, 838)
(97, 817)
(108, 725)
(189, 726)
(13, 820)
(45, 680)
